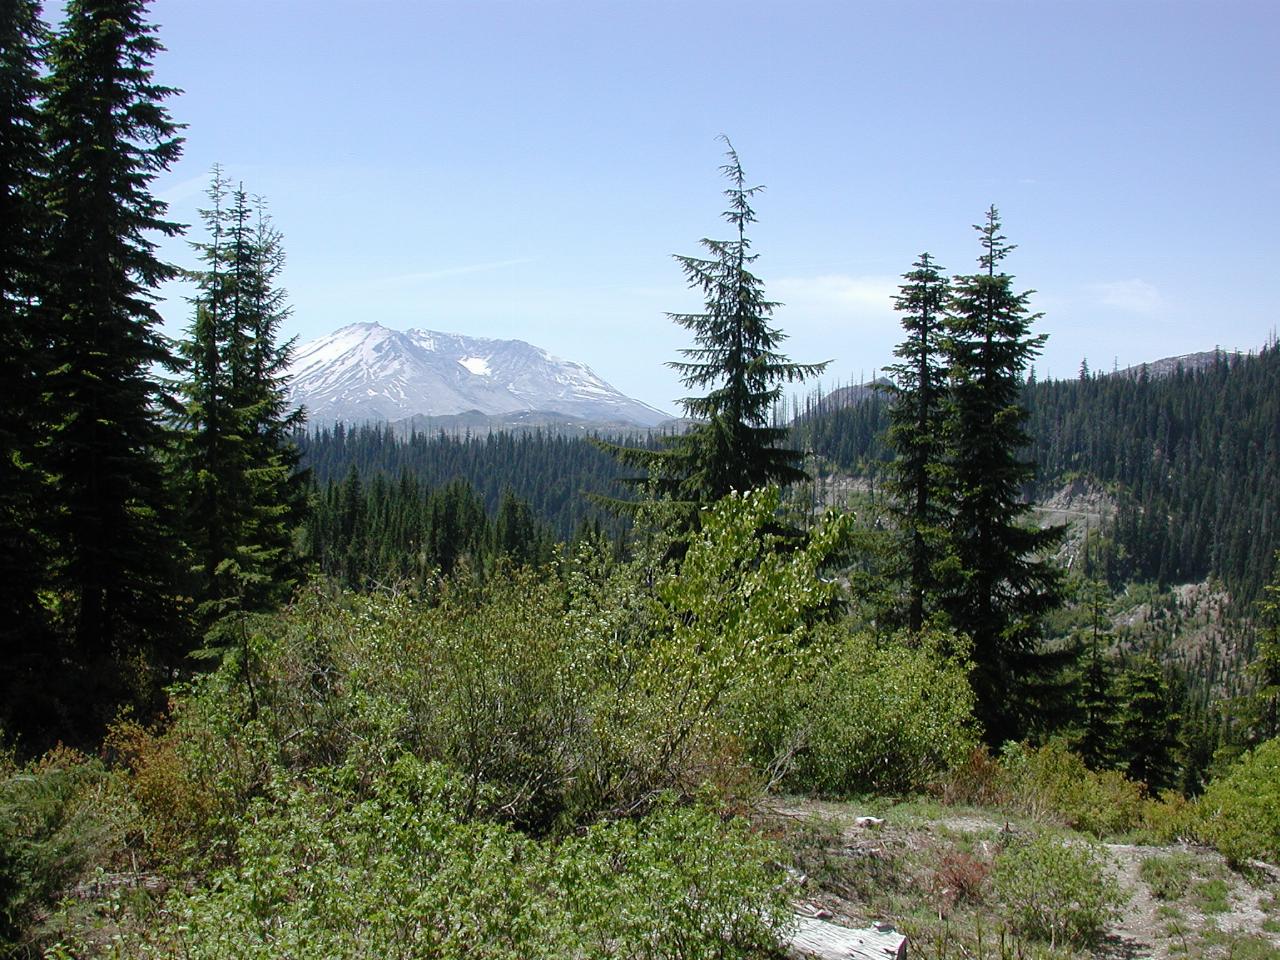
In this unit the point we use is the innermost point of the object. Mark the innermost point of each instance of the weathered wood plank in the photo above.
(810, 937)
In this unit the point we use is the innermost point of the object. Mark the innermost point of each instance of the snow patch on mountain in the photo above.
(477, 365)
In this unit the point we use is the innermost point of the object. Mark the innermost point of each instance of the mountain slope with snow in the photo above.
(368, 372)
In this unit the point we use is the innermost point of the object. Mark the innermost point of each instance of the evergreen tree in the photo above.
(1260, 711)
(237, 459)
(916, 436)
(1004, 588)
(1095, 741)
(1095, 738)
(23, 563)
(1148, 725)
(732, 446)
(515, 532)
(209, 463)
(276, 502)
(109, 135)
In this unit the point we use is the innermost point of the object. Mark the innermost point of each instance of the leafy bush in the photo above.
(1051, 781)
(1169, 818)
(325, 871)
(1240, 813)
(960, 877)
(739, 629)
(884, 717)
(1057, 889)
(564, 697)
(55, 821)
(977, 780)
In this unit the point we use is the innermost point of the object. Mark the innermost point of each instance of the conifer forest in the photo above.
(272, 689)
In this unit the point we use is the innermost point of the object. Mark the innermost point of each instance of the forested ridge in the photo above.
(552, 473)
(1192, 459)
(266, 693)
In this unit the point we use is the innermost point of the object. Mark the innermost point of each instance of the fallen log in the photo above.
(809, 937)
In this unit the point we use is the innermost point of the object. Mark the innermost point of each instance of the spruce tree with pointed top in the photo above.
(237, 462)
(915, 434)
(1149, 725)
(1004, 585)
(207, 454)
(276, 502)
(732, 445)
(108, 135)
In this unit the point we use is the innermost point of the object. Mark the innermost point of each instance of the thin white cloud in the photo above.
(176, 193)
(1134, 296)
(837, 295)
(426, 276)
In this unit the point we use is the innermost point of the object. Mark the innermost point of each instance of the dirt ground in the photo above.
(859, 872)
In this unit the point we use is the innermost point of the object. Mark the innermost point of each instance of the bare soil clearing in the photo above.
(925, 869)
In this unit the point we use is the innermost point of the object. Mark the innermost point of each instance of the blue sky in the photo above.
(525, 169)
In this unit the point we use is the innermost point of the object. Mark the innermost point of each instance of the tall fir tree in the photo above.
(1096, 708)
(109, 135)
(24, 651)
(236, 458)
(916, 436)
(208, 460)
(280, 485)
(1004, 586)
(1148, 725)
(732, 444)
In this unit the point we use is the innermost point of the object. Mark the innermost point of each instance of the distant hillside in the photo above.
(1190, 456)
(1191, 451)
(475, 423)
(1187, 363)
(551, 472)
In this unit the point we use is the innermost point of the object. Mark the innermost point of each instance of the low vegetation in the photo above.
(571, 765)
(1241, 811)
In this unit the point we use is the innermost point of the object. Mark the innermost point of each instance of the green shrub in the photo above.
(1169, 818)
(564, 696)
(884, 717)
(740, 626)
(1052, 782)
(977, 780)
(1057, 889)
(55, 822)
(331, 873)
(1213, 896)
(1240, 813)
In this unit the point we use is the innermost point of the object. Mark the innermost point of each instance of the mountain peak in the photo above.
(368, 372)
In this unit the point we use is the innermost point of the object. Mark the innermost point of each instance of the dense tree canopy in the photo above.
(108, 135)
(22, 356)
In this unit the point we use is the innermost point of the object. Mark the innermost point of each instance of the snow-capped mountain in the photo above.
(367, 372)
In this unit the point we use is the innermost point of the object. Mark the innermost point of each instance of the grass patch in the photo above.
(1213, 896)
(1239, 946)
(1168, 877)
